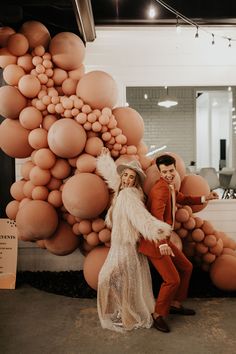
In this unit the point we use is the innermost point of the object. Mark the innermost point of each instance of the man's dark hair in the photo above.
(165, 160)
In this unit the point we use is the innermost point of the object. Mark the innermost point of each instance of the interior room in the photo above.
(174, 64)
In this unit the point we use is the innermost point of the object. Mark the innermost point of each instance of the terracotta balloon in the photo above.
(98, 89)
(40, 193)
(38, 138)
(12, 209)
(189, 224)
(14, 139)
(85, 227)
(131, 123)
(36, 33)
(86, 163)
(198, 235)
(77, 73)
(93, 146)
(63, 241)
(104, 235)
(152, 176)
(29, 85)
(16, 190)
(12, 74)
(25, 62)
(223, 272)
(6, 58)
(30, 118)
(39, 177)
(67, 50)
(36, 220)
(55, 198)
(83, 201)
(182, 215)
(5, 33)
(195, 185)
(66, 138)
(98, 224)
(93, 264)
(218, 248)
(17, 44)
(44, 158)
(8, 95)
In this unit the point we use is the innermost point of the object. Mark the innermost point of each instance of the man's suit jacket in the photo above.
(160, 205)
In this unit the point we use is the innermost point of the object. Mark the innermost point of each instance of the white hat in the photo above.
(133, 165)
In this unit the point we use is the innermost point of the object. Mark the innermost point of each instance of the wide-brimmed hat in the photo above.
(133, 165)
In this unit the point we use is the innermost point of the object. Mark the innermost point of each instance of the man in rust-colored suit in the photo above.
(174, 268)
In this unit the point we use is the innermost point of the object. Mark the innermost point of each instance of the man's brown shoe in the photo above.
(160, 324)
(181, 311)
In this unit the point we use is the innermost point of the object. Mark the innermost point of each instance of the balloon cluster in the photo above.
(59, 117)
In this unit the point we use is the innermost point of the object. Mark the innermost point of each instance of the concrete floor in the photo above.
(33, 321)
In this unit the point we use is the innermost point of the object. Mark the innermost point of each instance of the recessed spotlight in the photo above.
(151, 12)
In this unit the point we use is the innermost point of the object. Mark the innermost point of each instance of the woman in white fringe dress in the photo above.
(125, 298)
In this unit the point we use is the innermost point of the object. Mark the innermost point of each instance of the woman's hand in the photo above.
(104, 151)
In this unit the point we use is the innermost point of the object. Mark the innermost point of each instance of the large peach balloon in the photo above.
(223, 272)
(195, 185)
(85, 195)
(63, 241)
(98, 89)
(36, 220)
(36, 33)
(66, 138)
(8, 96)
(93, 264)
(14, 139)
(131, 123)
(30, 118)
(67, 50)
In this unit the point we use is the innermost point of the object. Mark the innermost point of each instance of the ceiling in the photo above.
(82, 16)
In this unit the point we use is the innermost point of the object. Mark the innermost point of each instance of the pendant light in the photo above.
(167, 101)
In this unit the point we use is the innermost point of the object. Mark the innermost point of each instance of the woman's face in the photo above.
(128, 178)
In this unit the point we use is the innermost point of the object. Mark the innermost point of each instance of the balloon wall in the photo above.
(58, 118)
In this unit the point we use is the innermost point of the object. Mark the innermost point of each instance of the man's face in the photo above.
(128, 178)
(168, 173)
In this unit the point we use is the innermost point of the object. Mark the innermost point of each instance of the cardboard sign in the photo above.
(8, 254)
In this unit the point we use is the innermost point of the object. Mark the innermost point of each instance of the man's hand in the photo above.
(212, 195)
(165, 250)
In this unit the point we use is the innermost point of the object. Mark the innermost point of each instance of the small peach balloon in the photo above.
(38, 138)
(25, 62)
(39, 177)
(6, 58)
(12, 209)
(16, 190)
(61, 169)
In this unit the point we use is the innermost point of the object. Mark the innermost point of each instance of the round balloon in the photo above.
(93, 263)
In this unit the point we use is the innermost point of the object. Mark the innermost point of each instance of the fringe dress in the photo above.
(125, 298)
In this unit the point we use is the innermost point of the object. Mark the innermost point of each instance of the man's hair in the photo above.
(165, 160)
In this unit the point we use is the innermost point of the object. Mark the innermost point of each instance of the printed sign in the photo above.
(8, 254)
